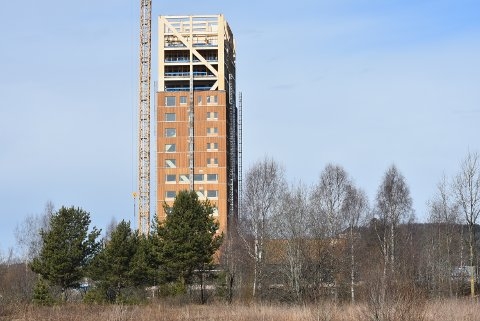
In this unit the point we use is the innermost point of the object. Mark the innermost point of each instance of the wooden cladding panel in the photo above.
(207, 115)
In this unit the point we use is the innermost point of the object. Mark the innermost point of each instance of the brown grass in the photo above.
(447, 310)
(450, 310)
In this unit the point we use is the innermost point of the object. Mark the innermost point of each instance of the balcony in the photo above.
(186, 74)
(177, 59)
(183, 60)
(196, 88)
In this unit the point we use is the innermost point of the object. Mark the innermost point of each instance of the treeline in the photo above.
(72, 263)
(328, 241)
(291, 243)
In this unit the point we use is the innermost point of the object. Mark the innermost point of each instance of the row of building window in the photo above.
(184, 178)
(169, 117)
(172, 163)
(212, 194)
(172, 148)
(171, 101)
(172, 132)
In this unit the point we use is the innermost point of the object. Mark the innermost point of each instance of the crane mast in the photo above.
(144, 117)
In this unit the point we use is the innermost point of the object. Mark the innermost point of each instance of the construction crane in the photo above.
(144, 117)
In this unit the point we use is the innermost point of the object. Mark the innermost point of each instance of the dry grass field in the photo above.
(448, 310)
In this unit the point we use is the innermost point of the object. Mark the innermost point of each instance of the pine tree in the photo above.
(41, 293)
(145, 262)
(111, 266)
(67, 248)
(188, 238)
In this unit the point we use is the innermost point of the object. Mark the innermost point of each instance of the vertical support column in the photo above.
(191, 116)
(191, 134)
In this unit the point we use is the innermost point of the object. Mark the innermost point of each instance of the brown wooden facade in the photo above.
(210, 150)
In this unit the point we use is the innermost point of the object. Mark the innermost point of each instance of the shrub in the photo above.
(41, 293)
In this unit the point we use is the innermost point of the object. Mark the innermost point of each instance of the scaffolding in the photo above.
(240, 161)
(233, 151)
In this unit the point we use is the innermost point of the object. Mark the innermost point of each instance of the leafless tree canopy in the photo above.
(444, 241)
(328, 200)
(27, 233)
(393, 198)
(393, 204)
(264, 184)
(290, 224)
(467, 188)
(355, 207)
(443, 207)
(467, 194)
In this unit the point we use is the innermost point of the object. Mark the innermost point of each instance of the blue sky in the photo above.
(371, 83)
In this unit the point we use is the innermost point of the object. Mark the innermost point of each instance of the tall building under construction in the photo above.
(197, 122)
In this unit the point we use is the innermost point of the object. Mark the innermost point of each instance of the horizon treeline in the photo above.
(291, 243)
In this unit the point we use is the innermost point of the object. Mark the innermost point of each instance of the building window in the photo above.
(212, 100)
(212, 194)
(212, 131)
(170, 101)
(214, 211)
(212, 115)
(198, 177)
(212, 146)
(212, 162)
(170, 178)
(170, 148)
(170, 132)
(212, 177)
(199, 100)
(170, 194)
(200, 194)
(184, 178)
(183, 100)
(170, 117)
(171, 163)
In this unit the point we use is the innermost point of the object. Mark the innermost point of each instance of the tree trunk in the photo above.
(352, 266)
(472, 273)
(202, 288)
(392, 249)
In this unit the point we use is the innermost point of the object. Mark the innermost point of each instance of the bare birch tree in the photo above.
(264, 184)
(467, 193)
(291, 226)
(444, 213)
(327, 201)
(27, 233)
(393, 203)
(355, 210)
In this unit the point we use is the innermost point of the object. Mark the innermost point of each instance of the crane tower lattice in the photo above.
(144, 117)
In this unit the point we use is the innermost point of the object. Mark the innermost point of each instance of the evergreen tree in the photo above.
(111, 266)
(41, 293)
(187, 238)
(145, 262)
(67, 248)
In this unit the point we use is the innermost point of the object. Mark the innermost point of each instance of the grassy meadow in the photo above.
(445, 310)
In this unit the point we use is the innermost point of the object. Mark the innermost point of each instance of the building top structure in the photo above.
(201, 47)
